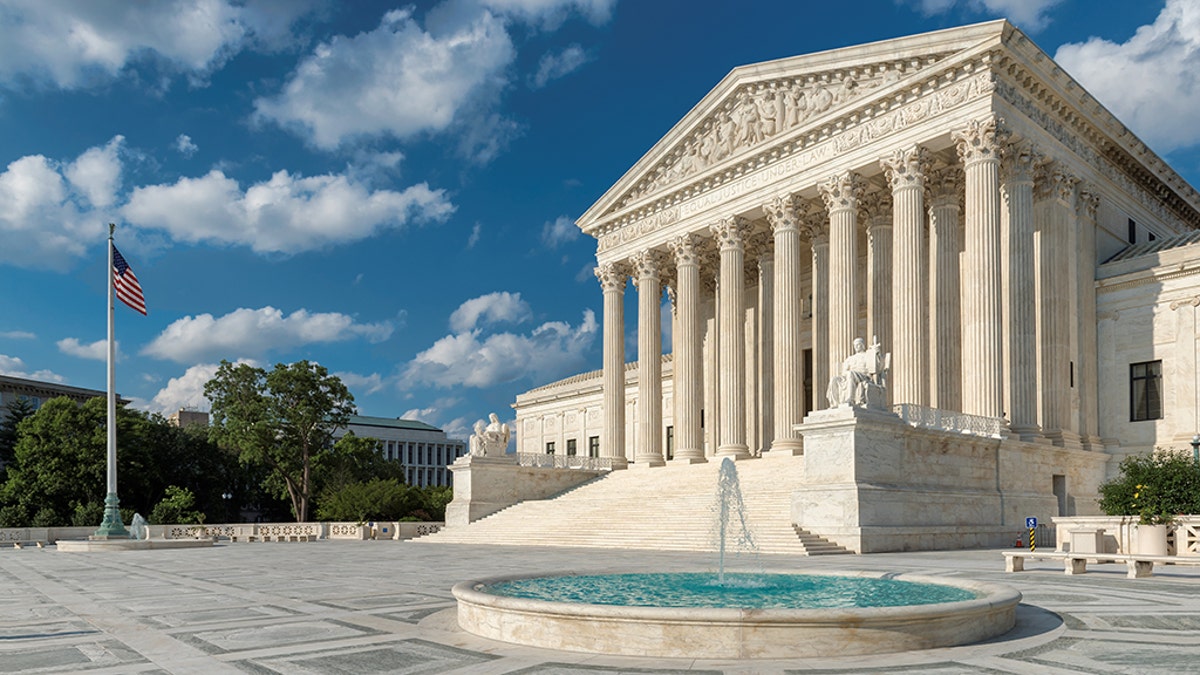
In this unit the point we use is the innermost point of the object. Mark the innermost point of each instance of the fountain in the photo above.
(735, 615)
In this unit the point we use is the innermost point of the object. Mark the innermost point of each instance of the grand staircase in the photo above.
(668, 508)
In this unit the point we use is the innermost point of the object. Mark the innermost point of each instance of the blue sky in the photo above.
(390, 189)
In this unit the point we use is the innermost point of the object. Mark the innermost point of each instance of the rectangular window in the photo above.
(670, 443)
(1145, 391)
(549, 447)
(593, 446)
(570, 447)
(1132, 231)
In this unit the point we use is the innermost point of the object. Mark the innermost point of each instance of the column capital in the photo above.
(1055, 181)
(945, 187)
(647, 264)
(906, 167)
(731, 232)
(686, 249)
(1089, 201)
(783, 213)
(877, 209)
(980, 140)
(612, 276)
(1020, 162)
(842, 192)
(816, 224)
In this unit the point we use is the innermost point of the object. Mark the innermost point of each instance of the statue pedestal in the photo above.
(484, 485)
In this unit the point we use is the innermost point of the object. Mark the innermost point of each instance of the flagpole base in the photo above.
(111, 527)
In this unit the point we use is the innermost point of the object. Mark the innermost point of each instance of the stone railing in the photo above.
(237, 532)
(950, 420)
(564, 461)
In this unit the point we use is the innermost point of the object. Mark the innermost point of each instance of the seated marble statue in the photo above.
(489, 440)
(863, 380)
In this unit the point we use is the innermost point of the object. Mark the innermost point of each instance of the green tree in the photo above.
(14, 411)
(177, 506)
(1155, 487)
(283, 419)
(375, 499)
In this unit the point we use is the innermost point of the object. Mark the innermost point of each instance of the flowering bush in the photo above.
(1155, 488)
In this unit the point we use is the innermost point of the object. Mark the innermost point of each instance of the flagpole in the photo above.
(111, 527)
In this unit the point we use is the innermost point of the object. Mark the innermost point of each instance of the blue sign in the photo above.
(1031, 522)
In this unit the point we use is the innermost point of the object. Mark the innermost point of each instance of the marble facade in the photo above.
(953, 195)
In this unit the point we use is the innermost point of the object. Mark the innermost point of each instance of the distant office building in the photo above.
(188, 418)
(37, 393)
(423, 449)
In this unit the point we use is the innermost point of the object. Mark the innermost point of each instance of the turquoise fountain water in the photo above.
(735, 614)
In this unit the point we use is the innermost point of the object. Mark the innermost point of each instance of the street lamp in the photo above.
(1196, 449)
(227, 496)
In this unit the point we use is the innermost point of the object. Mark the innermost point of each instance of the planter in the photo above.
(1151, 539)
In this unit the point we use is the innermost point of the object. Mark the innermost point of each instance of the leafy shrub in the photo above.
(176, 507)
(376, 499)
(1154, 487)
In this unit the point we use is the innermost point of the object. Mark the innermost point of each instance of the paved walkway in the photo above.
(385, 607)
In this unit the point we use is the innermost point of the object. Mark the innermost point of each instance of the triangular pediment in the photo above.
(759, 104)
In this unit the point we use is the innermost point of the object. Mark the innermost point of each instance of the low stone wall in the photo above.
(1118, 534)
(238, 532)
(485, 485)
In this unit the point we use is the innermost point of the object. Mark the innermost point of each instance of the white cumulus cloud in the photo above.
(97, 351)
(185, 146)
(1027, 14)
(362, 384)
(559, 232)
(397, 80)
(253, 332)
(473, 359)
(1151, 82)
(185, 391)
(13, 366)
(490, 308)
(551, 13)
(77, 43)
(554, 65)
(18, 335)
(286, 214)
(54, 210)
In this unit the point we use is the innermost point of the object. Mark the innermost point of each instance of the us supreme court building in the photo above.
(1030, 265)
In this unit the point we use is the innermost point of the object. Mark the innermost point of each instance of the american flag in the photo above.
(125, 282)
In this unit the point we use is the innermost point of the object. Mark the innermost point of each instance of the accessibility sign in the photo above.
(1031, 522)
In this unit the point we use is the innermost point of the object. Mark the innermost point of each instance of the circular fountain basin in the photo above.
(738, 630)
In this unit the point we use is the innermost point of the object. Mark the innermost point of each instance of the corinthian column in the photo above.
(612, 280)
(817, 224)
(983, 359)
(1087, 379)
(731, 233)
(879, 266)
(782, 215)
(1058, 305)
(841, 194)
(689, 445)
(905, 170)
(945, 319)
(646, 267)
(1022, 275)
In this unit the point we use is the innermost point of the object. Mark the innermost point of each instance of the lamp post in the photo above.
(1196, 449)
(227, 496)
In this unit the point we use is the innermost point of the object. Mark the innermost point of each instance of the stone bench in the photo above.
(1137, 566)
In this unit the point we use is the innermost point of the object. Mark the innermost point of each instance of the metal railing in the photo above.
(950, 420)
(564, 461)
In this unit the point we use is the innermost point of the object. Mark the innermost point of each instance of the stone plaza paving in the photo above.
(386, 607)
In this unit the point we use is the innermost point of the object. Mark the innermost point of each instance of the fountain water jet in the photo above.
(730, 511)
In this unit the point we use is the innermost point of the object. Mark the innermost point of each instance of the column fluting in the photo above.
(686, 349)
(783, 216)
(945, 317)
(731, 234)
(978, 147)
(1018, 171)
(905, 170)
(612, 278)
(817, 223)
(647, 267)
(842, 194)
